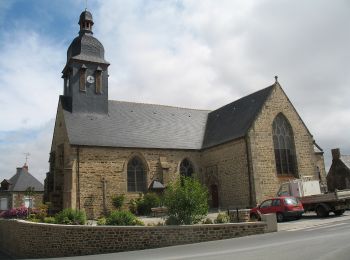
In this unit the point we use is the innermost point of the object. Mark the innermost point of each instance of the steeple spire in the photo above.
(86, 22)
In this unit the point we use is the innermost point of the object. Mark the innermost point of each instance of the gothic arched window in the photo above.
(136, 175)
(186, 168)
(283, 141)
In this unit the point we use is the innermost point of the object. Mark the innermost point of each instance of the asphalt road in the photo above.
(309, 238)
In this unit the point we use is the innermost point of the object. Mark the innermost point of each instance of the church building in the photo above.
(241, 151)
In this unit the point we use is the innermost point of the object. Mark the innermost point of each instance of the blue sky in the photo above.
(198, 54)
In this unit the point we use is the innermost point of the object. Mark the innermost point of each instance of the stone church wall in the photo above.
(261, 146)
(226, 166)
(103, 173)
(63, 193)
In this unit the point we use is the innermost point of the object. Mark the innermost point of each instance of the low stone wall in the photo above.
(23, 239)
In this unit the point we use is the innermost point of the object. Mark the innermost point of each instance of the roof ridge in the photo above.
(159, 105)
(246, 96)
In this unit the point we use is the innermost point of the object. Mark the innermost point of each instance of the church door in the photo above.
(214, 196)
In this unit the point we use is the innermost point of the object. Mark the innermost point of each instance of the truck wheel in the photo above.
(279, 217)
(339, 212)
(322, 212)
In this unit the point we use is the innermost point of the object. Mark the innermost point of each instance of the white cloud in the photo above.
(29, 80)
(14, 145)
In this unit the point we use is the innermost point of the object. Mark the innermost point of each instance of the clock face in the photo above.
(90, 79)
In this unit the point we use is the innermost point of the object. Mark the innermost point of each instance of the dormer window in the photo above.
(82, 82)
(5, 185)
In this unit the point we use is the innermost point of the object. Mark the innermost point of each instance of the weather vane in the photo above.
(86, 4)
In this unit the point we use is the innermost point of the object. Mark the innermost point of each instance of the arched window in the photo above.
(136, 175)
(186, 168)
(283, 141)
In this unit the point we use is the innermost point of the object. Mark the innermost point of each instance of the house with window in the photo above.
(241, 151)
(14, 191)
(338, 177)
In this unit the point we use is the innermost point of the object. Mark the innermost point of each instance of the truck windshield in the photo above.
(291, 201)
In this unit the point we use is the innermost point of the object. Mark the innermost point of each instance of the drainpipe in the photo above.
(250, 177)
(78, 177)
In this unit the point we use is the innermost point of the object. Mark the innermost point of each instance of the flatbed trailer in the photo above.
(313, 200)
(323, 204)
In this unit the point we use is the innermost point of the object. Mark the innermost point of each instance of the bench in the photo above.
(159, 211)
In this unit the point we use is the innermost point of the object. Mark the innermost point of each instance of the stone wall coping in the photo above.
(195, 226)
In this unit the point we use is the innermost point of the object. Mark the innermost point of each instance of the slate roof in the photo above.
(22, 180)
(233, 120)
(138, 125)
(87, 48)
(141, 125)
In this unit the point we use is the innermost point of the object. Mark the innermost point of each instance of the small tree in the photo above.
(187, 201)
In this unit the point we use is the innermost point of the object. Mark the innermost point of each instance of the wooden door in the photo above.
(214, 196)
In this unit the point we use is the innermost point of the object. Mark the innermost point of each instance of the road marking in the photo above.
(315, 227)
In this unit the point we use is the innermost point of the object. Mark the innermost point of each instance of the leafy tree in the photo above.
(187, 201)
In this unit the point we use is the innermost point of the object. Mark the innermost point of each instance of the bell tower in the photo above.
(85, 74)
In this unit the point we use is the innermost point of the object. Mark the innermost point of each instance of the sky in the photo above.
(197, 54)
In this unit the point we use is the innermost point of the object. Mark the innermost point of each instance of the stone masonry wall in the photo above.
(33, 240)
(64, 190)
(98, 165)
(18, 199)
(226, 166)
(261, 146)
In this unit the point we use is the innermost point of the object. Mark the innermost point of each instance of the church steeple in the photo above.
(86, 71)
(86, 22)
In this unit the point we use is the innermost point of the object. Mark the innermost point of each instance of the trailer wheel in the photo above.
(339, 212)
(322, 212)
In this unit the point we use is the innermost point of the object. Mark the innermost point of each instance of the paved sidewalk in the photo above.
(311, 220)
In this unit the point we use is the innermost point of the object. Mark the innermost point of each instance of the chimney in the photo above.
(25, 167)
(19, 169)
(336, 154)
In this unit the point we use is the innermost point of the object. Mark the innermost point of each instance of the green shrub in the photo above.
(41, 211)
(208, 221)
(133, 206)
(118, 201)
(71, 217)
(222, 218)
(101, 221)
(172, 220)
(123, 218)
(144, 205)
(187, 201)
(36, 220)
(49, 220)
